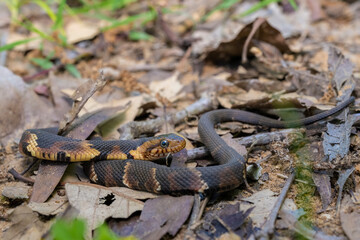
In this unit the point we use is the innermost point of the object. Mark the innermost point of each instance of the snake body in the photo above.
(131, 170)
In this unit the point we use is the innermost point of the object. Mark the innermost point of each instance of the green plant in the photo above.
(224, 5)
(63, 230)
(263, 4)
(75, 230)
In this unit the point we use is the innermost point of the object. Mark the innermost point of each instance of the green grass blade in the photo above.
(47, 9)
(16, 43)
(103, 5)
(137, 36)
(59, 16)
(29, 26)
(71, 68)
(225, 4)
(257, 7)
(43, 63)
(144, 17)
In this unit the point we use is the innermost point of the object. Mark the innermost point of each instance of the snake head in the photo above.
(161, 146)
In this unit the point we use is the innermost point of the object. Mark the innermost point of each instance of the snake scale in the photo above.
(128, 162)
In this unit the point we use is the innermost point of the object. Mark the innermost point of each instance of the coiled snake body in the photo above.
(122, 163)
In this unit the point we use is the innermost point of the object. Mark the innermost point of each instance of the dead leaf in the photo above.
(163, 87)
(26, 225)
(228, 222)
(56, 204)
(323, 185)
(350, 217)
(162, 215)
(241, 149)
(134, 193)
(77, 31)
(263, 202)
(24, 109)
(19, 191)
(341, 70)
(232, 49)
(96, 203)
(343, 176)
(239, 98)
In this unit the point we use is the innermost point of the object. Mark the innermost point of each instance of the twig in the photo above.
(80, 97)
(268, 227)
(196, 214)
(133, 130)
(255, 27)
(20, 177)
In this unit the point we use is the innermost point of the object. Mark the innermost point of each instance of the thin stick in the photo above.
(20, 177)
(269, 225)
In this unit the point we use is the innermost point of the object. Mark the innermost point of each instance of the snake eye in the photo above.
(164, 143)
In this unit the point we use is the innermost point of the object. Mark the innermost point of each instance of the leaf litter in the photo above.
(248, 63)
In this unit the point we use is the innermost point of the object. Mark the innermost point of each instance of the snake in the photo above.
(129, 163)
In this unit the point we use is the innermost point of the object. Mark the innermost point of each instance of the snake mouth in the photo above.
(164, 152)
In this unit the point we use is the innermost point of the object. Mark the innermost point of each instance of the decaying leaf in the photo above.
(134, 193)
(19, 191)
(234, 49)
(26, 225)
(96, 203)
(341, 70)
(263, 202)
(323, 185)
(162, 215)
(77, 31)
(227, 222)
(22, 108)
(236, 97)
(350, 217)
(56, 204)
(163, 87)
(344, 175)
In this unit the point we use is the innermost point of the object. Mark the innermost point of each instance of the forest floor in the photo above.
(144, 69)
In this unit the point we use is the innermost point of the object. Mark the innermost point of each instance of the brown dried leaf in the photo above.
(162, 215)
(341, 70)
(241, 149)
(239, 98)
(22, 108)
(263, 202)
(26, 225)
(77, 31)
(168, 88)
(96, 203)
(228, 222)
(323, 185)
(56, 204)
(229, 50)
(350, 217)
(134, 193)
